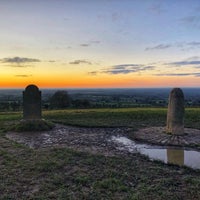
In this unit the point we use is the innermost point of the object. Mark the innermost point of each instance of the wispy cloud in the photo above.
(178, 74)
(192, 61)
(93, 73)
(180, 45)
(159, 47)
(189, 45)
(124, 69)
(95, 42)
(23, 75)
(115, 16)
(19, 61)
(78, 62)
(90, 43)
(193, 43)
(157, 9)
(192, 21)
(85, 45)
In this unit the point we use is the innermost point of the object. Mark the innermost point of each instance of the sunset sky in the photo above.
(99, 43)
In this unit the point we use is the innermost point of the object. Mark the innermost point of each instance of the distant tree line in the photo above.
(61, 100)
(10, 105)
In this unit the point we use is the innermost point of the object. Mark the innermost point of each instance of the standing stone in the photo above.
(175, 113)
(31, 103)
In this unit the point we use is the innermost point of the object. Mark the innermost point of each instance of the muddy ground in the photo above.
(92, 140)
(99, 140)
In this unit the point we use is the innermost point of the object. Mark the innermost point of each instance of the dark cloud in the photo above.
(181, 63)
(23, 75)
(19, 60)
(159, 47)
(93, 73)
(78, 62)
(127, 68)
(179, 74)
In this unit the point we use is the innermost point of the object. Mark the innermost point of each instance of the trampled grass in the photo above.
(61, 173)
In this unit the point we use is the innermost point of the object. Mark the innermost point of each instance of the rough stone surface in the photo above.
(157, 135)
(32, 103)
(175, 113)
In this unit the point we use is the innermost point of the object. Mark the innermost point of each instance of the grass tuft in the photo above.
(32, 125)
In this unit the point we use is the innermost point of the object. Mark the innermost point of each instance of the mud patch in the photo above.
(93, 140)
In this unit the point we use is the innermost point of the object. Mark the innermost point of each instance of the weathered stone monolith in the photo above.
(175, 113)
(31, 103)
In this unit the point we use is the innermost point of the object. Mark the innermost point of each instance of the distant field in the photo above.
(130, 117)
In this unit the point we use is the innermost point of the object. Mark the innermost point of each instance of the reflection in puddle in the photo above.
(174, 155)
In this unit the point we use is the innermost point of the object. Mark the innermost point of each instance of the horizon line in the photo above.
(92, 88)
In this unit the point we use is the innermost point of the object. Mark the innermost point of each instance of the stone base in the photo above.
(33, 125)
(158, 135)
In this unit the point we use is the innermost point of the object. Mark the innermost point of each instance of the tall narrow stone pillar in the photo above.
(175, 113)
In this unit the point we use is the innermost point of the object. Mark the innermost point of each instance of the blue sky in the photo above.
(100, 39)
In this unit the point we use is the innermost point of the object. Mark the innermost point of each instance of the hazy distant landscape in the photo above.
(11, 99)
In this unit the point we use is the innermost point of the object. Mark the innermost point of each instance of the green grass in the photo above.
(61, 173)
(66, 174)
(131, 117)
(32, 125)
(108, 117)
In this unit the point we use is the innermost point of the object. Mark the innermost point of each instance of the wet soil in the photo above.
(93, 140)
(99, 140)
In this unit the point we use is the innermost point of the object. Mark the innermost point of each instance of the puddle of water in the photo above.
(176, 156)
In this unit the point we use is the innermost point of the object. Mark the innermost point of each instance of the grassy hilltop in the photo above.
(61, 173)
(107, 117)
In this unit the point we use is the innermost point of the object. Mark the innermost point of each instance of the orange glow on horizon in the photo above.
(101, 81)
